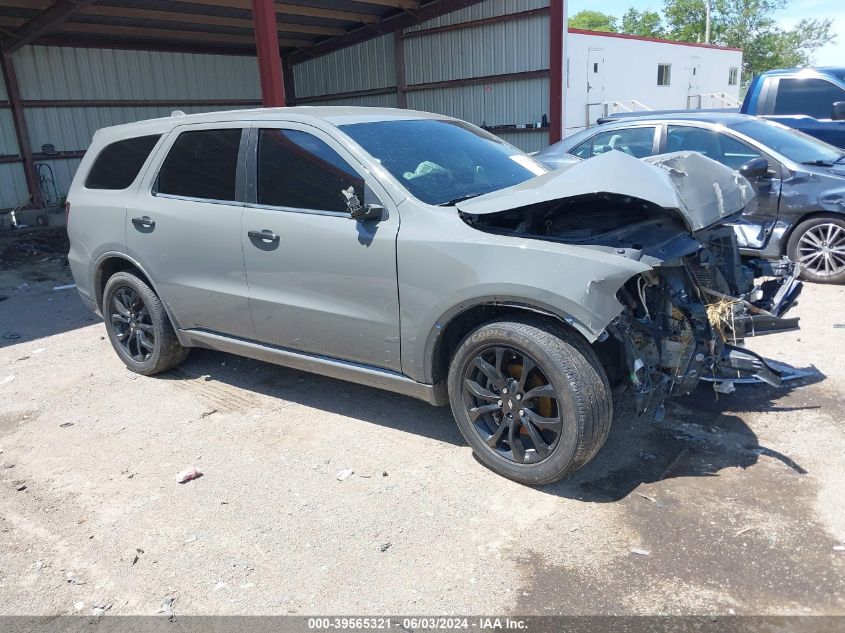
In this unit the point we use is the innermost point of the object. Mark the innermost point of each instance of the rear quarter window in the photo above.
(118, 163)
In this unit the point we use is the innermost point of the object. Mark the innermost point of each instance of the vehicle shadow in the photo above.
(699, 436)
(320, 392)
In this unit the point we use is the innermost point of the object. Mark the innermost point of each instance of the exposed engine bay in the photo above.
(686, 317)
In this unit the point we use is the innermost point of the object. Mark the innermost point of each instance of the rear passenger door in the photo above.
(184, 228)
(319, 281)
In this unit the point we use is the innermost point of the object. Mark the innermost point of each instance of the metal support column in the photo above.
(21, 132)
(557, 23)
(269, 57)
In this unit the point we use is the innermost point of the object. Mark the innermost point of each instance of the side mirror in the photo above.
(755, 169)
(838, 112)
(360, 212)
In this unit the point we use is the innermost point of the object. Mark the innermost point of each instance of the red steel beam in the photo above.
(557, 10)
(21, 132)
(269, 57)
(43, 24)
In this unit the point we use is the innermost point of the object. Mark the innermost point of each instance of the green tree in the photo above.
(594, 21)
(751, 26)
(643, 23)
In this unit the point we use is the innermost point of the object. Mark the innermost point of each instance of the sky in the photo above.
(830, 55)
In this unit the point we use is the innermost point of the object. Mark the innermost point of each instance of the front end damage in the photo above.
(686, 317)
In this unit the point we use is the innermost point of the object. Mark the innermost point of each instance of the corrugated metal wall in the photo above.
(364, 66)
(513, 46)
(73, 74)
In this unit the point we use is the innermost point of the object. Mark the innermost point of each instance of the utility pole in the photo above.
(708, 8)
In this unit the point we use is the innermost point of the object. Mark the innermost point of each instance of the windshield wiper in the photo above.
(455, 201)
(820, 162)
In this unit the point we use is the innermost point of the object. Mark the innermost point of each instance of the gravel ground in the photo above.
(735, 503)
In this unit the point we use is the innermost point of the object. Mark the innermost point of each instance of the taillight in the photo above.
(67, 212)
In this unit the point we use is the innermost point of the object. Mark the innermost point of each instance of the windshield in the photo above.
(795, 145)
(443, 162)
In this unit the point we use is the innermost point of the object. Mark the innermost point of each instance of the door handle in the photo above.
(266, 235)
(144, 222)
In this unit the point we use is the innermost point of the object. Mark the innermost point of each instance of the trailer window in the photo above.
(664, 74)
(733, 76)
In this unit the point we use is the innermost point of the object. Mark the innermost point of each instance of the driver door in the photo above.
(319, 281)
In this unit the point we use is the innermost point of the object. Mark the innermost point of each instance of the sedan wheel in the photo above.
(818, 245)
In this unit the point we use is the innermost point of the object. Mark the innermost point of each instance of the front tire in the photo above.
(818, 245)
(138, 326)
(531, 398)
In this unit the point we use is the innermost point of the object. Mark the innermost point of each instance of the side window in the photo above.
(118, 164)
(298, 170)
(736, 153)
(635, 141)
(202, 164)
(720, 147)
(584, 150)
(813, 97)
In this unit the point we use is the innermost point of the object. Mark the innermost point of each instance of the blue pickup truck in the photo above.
(808, 99)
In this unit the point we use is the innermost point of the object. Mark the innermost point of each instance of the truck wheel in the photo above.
(531, 398)
(818, 245)
(138, 326)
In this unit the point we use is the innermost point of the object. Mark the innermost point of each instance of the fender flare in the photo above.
(435, 334)
(98, 293)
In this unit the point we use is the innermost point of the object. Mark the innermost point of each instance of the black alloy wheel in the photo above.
(512, 404)
(133, 324)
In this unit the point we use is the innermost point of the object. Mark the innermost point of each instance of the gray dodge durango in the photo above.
(420, 254)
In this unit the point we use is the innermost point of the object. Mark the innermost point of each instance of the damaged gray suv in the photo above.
(420, 254)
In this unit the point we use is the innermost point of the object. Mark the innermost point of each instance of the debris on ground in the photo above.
(137, 556)
(747, 528)
(64, 287)
(384, 474)
(78, 606)
(839, 548)
(11, 336)
(344, 474)
(37, 351)
(64, 425)
(205, 414)
(640, 552)
(99, 609)
(73, 580)
(20, 487)
(188, 474)
(646, 497)
(7, 380)
(191, 538)
(167, 607)
(384, 547)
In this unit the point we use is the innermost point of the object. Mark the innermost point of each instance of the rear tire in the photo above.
(538, 428)
(818, 245)
(138, 326)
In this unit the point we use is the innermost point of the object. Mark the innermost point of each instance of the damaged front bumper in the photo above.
(688, 323)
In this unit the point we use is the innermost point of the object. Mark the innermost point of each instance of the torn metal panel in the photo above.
(701, 190)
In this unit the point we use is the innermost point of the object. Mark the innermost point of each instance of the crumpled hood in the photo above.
(702, 190)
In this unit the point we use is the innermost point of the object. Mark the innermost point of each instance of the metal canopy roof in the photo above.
(307, 28)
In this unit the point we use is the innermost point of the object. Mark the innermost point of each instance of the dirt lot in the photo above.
(737, 501)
